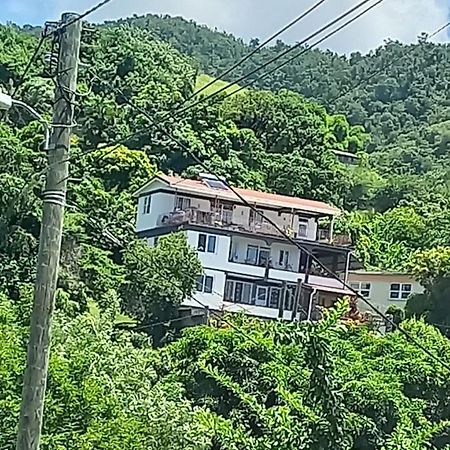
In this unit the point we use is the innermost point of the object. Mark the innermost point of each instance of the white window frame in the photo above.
(201, 284)
(303, 223)
(208, 239)
(259, 250)
(185, 203)
(147, 205)
(358, 287)
(401, 290)
(283, 258)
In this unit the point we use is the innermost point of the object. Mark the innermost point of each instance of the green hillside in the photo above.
(245, 384)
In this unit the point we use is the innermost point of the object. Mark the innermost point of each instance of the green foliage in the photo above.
(103, 391)
(156, 280)
(277, 385)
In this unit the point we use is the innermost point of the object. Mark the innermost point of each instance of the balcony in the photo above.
(224, 220)
(220, 220)
(338, 239)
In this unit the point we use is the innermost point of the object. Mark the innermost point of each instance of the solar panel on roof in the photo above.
(216, 184)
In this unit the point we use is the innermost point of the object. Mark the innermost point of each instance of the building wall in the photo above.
(380, 289)
(161, 203)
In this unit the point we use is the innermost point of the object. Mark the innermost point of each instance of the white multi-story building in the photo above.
(248, 265)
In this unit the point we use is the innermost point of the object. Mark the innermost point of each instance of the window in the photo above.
(216, 184)
(400, 291)
(229, 288)
(206, 243)
(264, 256)
(212, 244)
(205, 284)
(261, 296)
(147, 204)
(183, 203)
(252, 254)
(275, 294)
(257, 255)
(238, 291)
(283, 259)
(201, 244)
(303, 228)
(362, 288)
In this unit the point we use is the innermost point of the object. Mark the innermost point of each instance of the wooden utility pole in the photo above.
(35, 377)
(297, 298)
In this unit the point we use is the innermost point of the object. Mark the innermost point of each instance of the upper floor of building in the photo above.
(168, 201)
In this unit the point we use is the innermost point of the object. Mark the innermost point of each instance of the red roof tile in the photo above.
(254, 197)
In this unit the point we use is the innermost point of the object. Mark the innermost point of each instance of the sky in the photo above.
(396, 19)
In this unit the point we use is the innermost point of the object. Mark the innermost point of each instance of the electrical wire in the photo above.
(306, 50)
(29, 64)
(292, 241)
(276, 58)
(364, 80)
(253, 52)
(81, 16)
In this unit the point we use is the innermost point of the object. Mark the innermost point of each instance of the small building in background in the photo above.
(383, 289)
(346, 158)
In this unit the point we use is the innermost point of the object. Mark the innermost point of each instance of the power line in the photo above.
(387, 66)
(432, 35)
(306, 50)
(30, 63)
(256, 50)
(276, 58)
(292, 241)
(82, 16)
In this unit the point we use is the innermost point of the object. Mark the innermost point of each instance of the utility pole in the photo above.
(297, 298)
(35, 377)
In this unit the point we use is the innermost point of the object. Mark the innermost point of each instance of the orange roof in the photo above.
(254, 197)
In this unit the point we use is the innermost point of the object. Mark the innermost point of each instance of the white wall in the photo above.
(217, 260)
(213, 300)
(380, 289)
(161, 203)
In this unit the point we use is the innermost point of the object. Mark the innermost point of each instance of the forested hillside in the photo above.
(332, 386)
(409, 91)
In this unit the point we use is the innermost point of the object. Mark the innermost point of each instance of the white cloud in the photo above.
(395, 19)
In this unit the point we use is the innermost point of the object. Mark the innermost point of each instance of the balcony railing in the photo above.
(224, 220)
(217, 219)
(339, 239)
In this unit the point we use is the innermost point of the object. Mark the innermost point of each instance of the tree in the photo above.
(157, 280)
(432, 269)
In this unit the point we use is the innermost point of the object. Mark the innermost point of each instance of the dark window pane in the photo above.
(264, 255)
(199, 284)
(252, 254)
(201, 247)
(395, 294)
(406, 287)
(229, 286)
(281, 258)
(212, 244)
(405, 295)
(238, 292)
(246, 293)
(274, 297)
(395, 287)
(208, 285)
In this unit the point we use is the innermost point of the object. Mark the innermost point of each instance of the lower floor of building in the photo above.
(266, 298)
